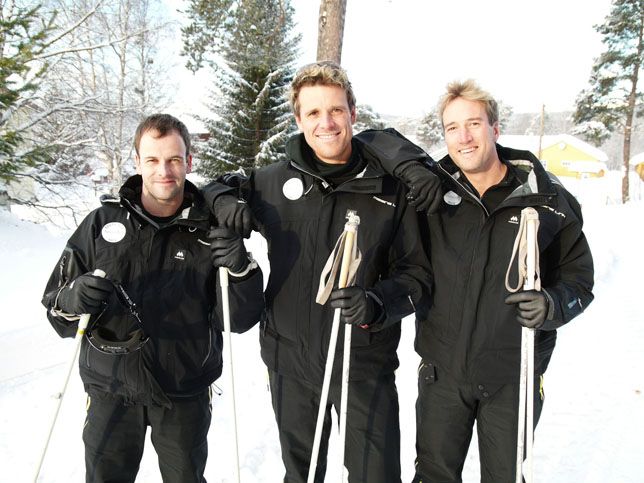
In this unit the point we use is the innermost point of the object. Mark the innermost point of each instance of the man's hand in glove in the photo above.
(227, 250)
(234, 214)
(86, 294)
(424, 186)
(357, 307)
(532, 307)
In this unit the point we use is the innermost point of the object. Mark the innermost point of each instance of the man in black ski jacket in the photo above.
(300, 207)
(154, 342)
(470, 338)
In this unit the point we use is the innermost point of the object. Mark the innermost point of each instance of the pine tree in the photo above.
(250, 46)
(23, 37)
(612, 97)
(367, 118)
(430, 130)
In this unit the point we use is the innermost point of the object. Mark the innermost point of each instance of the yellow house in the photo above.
(637, 162)
(562, 154)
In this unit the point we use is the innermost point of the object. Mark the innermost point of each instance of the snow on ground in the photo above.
(591, 427)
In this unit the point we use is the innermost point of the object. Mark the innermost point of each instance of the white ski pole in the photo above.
(80, 332)
(525, 433)
(345, 266)
(223, 282)
(352, 229)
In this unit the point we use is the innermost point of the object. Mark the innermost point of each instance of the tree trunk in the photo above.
(630, 112)
(331, 30)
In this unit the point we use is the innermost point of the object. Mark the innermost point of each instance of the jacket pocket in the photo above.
(120, 373)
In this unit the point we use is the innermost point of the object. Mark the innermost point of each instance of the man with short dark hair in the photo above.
(154, 342)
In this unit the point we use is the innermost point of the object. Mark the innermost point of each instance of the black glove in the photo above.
(357, 307)
(227, 250)
(532, 307)
(234, 214)
(424, 186)
(87, 294)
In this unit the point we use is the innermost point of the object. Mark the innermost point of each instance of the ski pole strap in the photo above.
(330, 270)
(521, 246)
(125, 299)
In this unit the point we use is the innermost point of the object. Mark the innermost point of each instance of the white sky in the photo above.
(400, 54)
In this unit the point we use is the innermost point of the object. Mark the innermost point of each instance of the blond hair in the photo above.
(324, 73)
(470, 91)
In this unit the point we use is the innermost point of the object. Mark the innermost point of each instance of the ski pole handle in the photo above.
(84, 320)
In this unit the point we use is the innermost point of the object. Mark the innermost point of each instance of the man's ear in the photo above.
(189, 164)
(354, 115)
(496, 130)
(137, 163)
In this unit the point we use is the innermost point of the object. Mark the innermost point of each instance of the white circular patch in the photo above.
(293, 189)
(452, 198)
(113, 232)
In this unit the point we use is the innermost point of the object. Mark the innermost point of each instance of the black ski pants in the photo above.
(114, 437)
(446, 410)
(372, 450)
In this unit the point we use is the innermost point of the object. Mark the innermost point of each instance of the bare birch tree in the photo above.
(94, 61)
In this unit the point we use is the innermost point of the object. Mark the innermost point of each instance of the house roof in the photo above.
(531, 143)
(637, 159)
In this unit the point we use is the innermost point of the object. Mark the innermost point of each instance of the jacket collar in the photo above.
(196, 214)
(538, 185)
(367, 181)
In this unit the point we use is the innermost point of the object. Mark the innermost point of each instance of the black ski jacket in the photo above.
(301, 233)
(167, 273)
(468, 330)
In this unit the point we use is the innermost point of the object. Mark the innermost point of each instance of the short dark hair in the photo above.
(163, 124)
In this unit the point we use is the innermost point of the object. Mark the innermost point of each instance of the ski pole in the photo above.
(352, 230)
(349, 237)
(223, 282)
(80, 332)
(525, 433)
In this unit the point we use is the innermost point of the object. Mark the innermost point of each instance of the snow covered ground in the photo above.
(591, 429)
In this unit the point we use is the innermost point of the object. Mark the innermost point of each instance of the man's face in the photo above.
(325, 119)
(163, 165)
(469, 136)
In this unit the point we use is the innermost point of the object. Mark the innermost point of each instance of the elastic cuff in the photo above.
(379, 316)
(57, 311)
(551, 305)
(252, 265)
